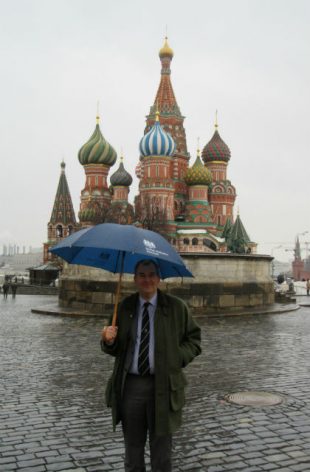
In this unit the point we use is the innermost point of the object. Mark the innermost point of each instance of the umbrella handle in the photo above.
(118, 291)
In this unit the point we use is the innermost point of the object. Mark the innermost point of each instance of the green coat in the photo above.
(177, 342)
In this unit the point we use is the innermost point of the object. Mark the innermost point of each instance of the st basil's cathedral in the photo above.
(192, 206)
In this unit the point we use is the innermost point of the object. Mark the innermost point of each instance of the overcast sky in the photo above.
(249, 59)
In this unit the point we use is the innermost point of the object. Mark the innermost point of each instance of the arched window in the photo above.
(186, 241)
(59, 231)
(194, 241)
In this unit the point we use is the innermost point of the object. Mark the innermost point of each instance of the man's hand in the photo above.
(109, 334)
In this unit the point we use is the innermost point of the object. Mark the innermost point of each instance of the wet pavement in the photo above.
(53, 375)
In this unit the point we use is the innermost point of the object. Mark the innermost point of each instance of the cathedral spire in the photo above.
(297, 251)
(238, 239)
(63, 212)
(166, 104)
(62, 222)
(166, 55)
(165, 99)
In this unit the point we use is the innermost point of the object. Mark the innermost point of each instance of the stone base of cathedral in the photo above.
(223, 283)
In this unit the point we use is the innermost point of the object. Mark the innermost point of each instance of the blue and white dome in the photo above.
(157, 142)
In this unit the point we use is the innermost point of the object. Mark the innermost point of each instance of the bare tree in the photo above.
(153, 215)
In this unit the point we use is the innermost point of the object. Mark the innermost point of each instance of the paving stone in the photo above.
(7, 460)
(277, 457)
(99, 468)
(8, 467)
(79, 469)
(38, 468)
(300, 467)
(30, 463)
(59, 467)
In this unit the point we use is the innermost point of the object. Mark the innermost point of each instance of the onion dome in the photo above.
(198, 174)
(216, 149)
(87, 214)
(166, 50)
(121, 176)
(97, 150)
(157, 142)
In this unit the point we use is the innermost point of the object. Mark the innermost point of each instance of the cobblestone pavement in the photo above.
(53, 375)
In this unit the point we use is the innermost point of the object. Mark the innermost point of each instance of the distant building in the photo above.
(300, 267)
(20, 262)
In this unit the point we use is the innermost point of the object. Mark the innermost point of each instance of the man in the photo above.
(154, 339)
(6, 288)
(14, 289)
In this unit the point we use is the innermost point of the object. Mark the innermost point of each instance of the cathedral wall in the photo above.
(223, 283)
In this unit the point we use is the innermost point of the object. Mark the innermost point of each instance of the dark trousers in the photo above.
(138, 419)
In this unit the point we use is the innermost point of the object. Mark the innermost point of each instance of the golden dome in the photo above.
(198, 174)
(166, 50)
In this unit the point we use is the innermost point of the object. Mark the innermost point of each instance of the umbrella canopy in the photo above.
(118, 248)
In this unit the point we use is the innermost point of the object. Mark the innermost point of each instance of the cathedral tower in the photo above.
(62, 222)
(198, 178)
(222, 195)
(171, 121)
(96, 156)
(156, 199)
(120, 211)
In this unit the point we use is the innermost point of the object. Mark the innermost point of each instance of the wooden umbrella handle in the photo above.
(118, 291)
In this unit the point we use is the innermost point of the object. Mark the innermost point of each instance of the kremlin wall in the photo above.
(192, 206)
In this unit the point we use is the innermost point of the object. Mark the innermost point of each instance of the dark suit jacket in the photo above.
(177, 342)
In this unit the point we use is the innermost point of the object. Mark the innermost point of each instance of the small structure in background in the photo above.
(45, 274)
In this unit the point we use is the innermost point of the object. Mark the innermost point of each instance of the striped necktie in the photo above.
(143, 360)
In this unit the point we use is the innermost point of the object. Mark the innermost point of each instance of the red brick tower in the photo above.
(222, 195)
(156, 199)
(298, 263)
(198, 178)
(120, 211)
(171, 121)
(62, 222)
(96, 156)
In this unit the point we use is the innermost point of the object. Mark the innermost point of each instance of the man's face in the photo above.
(146, 280)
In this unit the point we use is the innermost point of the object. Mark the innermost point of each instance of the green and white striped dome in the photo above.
(97, 150)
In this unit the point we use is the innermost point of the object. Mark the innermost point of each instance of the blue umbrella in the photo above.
(118, 248)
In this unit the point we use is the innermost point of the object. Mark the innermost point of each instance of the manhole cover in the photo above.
(254, 398)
